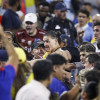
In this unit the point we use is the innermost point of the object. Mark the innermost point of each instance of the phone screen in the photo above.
(73, 76)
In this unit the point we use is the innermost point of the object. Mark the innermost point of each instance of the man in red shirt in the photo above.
(27, 36)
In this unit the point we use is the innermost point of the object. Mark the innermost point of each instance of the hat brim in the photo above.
(42, 44)
(63, 9)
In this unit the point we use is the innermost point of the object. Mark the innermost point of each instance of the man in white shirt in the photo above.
(37, 89)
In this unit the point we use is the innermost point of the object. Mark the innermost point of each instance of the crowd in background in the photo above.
(49, 49)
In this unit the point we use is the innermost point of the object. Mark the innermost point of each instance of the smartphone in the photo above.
(73, 76)
(73, 72)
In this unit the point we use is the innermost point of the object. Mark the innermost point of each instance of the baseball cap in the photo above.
(37, 43)
(65, 39)
(61, 6)
(31, 17)
(21, 54)
(3, 55)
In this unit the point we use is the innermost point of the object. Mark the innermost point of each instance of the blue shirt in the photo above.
(11, 20)
(7, 75)
(57, 87)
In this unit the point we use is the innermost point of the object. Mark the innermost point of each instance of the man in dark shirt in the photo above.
(10, 19)
(60, 23)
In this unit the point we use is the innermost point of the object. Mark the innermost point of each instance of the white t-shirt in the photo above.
(33, 91)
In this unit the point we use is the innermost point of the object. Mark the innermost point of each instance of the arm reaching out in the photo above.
(13, 57)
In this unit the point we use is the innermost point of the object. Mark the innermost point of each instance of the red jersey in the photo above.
(26, 41)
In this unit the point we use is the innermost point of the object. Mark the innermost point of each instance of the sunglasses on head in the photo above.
(29, 23)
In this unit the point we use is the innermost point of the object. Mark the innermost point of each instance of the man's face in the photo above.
(49, 43)
(38, 52)
(4, 4)
(82, 18)
(61, 14)
(87, 64)
(60, 72)
(30, 27)
(97, 32)
(95, 18)
(83, 55)
(43, 10)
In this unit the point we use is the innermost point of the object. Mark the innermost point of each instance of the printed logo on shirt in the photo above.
(23, 40)
(29, 42)
(57, 27)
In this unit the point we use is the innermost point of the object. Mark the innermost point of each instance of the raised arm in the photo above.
(13, 57)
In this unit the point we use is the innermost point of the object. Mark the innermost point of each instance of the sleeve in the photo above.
(47, 26)
(8, 73)
(57, 87)
(7, 22)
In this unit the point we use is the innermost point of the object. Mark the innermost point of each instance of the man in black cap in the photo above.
(38, 49)
(61, 23)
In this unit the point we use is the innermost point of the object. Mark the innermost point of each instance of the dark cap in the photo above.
(3, 55)
(61, 6)
(37, 43)
(65, 39)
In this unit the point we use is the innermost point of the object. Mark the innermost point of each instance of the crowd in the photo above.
(50, 54)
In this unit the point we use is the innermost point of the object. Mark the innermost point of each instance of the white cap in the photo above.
(31, 17)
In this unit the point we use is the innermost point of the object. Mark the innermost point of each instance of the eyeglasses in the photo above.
(29, 23)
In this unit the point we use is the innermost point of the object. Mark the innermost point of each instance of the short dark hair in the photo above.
(91, 89)
(97, 65)
(92, 58)
(42, 69)
(54, 35)
(56, 59)
(44, 3)
(84, 12)
(87, 4)
(13, 2)
(88, 47)
(96, 24)
(93, 75)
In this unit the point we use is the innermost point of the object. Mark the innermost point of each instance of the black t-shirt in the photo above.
(65, 27)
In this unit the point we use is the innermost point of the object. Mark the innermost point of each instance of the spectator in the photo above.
(86, 49)
(57, 86)
(10, 19)
(38, 49)
(96, 35)
(24, 74)
(37, 89)
(43, 14)
(60, 23)
(27, 36)
(96, 18)
(87, 6)
(91, 59)
(84, 31)
(51, 42)
(8, 72)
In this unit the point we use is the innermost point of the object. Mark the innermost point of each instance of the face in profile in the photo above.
(97, 32)
(60, 72)
(83, 55)
(61, 14)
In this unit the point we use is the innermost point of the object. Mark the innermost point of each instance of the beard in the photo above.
(19, 7)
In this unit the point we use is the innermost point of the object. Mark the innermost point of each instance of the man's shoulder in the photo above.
(21, 32)
(40, 31)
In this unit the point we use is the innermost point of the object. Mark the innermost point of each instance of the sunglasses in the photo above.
(29, 23)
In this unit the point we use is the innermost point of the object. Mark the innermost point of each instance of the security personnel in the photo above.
(60, 23)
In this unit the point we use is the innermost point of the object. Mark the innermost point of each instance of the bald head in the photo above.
(96, 18)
